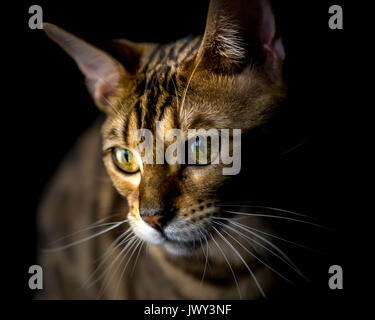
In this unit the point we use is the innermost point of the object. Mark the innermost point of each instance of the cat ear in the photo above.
(130, 53)
(103, 73)
(238, 31)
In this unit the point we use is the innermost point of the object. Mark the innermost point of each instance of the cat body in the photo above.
(168, 234)
(157, 275)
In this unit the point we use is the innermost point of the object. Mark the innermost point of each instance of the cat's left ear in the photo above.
(103, 73)
(240, 31)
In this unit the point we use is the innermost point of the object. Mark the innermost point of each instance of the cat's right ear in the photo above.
(239, 32)
(104, 74)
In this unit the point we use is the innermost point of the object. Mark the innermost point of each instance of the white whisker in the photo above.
(205, 253)
(115, 244)
(284, 257)
(276, 217)
(252, 254)
(104, 273)
(108, 277)
(138, 242)
(230, 267)
(94, 225)
(136, 259)
(243, 261)
(86, 239)
(267, 208)
(270, 235)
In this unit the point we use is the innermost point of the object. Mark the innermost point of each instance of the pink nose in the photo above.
(153, 221)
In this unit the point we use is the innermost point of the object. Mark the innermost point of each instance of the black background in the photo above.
(54, 107)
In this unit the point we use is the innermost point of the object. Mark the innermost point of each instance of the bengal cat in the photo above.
(136, 230)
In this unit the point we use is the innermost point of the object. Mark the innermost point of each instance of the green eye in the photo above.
(124, 160)
(200, 152)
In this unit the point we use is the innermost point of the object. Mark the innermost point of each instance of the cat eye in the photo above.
(124, 160)
(201, 151)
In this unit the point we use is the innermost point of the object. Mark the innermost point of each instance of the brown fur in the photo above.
(178, 84)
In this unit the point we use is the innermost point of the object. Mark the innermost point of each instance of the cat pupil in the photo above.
(197, 145)
(202, 150)
(127, 156)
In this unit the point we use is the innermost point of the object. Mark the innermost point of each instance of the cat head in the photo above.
(230, 78)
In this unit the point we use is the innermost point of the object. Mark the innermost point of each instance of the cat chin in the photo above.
(177, 249)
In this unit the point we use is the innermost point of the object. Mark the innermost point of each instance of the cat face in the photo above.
(228, 79)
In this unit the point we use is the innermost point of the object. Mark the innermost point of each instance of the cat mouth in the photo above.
(172, 239)
(178, 247)
(190, 243)
(188, 238)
